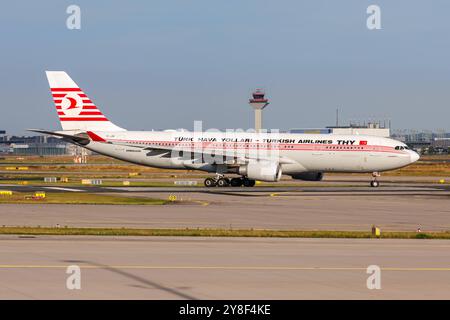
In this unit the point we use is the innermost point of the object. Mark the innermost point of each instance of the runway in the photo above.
(307, 208)
(222, 268)
(232, 268)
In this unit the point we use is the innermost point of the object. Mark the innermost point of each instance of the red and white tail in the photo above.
(75, 110)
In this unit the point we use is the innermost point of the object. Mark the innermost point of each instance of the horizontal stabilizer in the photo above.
(80, 138)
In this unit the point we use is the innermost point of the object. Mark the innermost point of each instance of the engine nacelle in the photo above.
(308, 176)
(262, 170)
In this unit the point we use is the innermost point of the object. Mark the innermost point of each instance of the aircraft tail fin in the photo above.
(75, 110)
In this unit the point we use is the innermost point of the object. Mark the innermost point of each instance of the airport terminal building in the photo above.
(371, 129)
(31, 146)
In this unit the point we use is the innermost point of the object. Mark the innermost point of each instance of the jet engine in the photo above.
(261, 170)
(308, 176)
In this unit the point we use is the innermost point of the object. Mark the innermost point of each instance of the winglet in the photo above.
(95, 137)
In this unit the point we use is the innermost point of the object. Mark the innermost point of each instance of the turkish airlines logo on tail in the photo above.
(73, 105)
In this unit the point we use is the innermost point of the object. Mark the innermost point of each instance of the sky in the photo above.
(164, 64)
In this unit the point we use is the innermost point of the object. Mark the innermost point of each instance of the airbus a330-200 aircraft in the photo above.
(246, 156)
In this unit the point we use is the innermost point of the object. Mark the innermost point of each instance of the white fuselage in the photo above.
(296, 153)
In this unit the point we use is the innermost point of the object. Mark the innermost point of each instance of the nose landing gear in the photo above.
(374, 183)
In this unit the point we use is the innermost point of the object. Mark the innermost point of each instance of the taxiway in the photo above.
(198, 268)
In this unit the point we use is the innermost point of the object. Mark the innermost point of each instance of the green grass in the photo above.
(79, 198)
(217, 233)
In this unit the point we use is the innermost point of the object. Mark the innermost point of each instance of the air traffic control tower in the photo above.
(258, 103)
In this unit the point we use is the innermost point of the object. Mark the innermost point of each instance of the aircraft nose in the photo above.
(414, 156)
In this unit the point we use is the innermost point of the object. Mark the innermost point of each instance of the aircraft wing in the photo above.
(236, 154)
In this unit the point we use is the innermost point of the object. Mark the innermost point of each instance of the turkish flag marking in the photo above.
(363, 143)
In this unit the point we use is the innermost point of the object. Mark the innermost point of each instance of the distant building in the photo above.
(424, 141)
(33, 145)
(40, 149)
(311, 131)
(3, 147)
(371, 129)
(441, 143)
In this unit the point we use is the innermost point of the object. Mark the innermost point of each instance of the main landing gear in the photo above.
(221, 181)
(374, 183)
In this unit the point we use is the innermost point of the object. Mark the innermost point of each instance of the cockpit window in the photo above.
(401, 148)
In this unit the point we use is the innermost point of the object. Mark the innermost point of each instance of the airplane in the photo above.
(248, 156)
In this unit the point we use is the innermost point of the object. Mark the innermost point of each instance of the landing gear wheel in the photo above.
(374, 183)
(209, 182)
(236, 182)
(223, 182)
(249, 183)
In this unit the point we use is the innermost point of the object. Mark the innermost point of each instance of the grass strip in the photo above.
(79, 198)
(218, 233)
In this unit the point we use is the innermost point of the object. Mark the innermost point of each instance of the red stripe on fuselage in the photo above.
(266, 146)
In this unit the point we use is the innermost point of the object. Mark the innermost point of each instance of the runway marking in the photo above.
(64, 189)
(286, 193)
(201, 202)
(255, 268)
